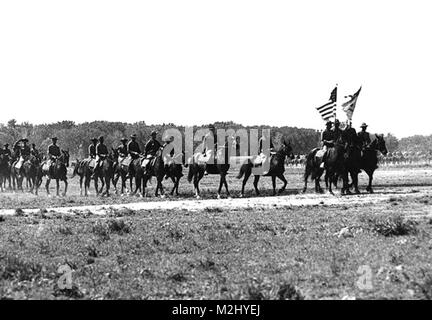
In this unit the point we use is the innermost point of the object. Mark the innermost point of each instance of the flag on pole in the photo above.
(328, 110)
(349, 106)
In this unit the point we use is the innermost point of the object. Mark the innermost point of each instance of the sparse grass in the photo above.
(255, 253)
(392, 225)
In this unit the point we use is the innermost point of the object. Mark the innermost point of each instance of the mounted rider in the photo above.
(363, 135)
(166, 161)
(151, 148)
(6, 151)
(122, 151)
(22, 151)
(53, 153)
(209, 146)
(34, 152)
(134, 151)
(262, 158)
(101, 154)
(327, 140)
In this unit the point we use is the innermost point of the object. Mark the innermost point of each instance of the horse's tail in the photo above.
(241, 172)
(309, 164)
(190, 173)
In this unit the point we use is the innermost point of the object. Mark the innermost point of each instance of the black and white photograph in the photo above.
(233, 152)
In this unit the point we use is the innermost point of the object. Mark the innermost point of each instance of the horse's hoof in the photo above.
(218, 196)
(357, 191)
(197, 197)
(241, 195)
(162, 196)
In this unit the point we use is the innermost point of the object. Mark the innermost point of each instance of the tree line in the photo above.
(76, 137)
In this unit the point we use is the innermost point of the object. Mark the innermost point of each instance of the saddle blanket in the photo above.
(125, 161)
(203, 158)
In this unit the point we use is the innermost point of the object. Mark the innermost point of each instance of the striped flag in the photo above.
(349, 106)
(329, 109)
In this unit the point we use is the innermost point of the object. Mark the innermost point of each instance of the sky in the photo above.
(196, 62)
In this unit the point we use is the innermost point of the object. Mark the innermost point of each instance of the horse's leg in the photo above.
(220, 186)
(173, 179)
(177, 185)
(161, 188)
(255, 184)
(81, 181)
(285, 182)
(369, 187)
(57, 187)
(47, 183)
(196, 185)
(354, 178)
(274, 184)
(226, 186)
(66, 187)
(96, 185)
(245, 179)
(108, 185)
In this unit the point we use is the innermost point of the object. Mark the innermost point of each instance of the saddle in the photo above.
(147, 161)
(124, 161)
(259, 159)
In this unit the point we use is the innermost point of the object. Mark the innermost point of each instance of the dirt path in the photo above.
(310, 199)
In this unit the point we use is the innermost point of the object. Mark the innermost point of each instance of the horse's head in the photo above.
(380, 144)
(287, 149)
(64, 158)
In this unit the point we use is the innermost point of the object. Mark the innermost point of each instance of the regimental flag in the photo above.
(349, 106)
(329, 109)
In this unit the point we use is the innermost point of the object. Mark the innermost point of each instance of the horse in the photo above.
(57, 170)
(334, 165)
(155, 168)
(4, 170)
(104, 172)
(174, 171)
(120, 172)
(277, 169)
(369, 157)
(84, 170)
(197, 170)
(33, 173)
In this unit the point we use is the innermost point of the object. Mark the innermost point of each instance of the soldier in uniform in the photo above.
(337, 132)
(133, 148)
(327, 140)
(5, 150)
(363, 135)
(101, 153)
(92, 148)
(24, 152)
(209, 146)
(122, 150)
(34, 151)
(53, 154)
(134, 151)
(152, 146)
(263, 158)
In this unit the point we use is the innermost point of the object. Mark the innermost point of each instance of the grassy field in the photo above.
(307, 252)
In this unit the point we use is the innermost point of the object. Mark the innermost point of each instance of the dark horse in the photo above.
(174, 171)
(156, 168)
(33, 173)
(369, 157)
(84, 171)
(57, 170)
(196, 170)
(120, 172)
(4, 170)
(277, 169)
(334, 165)
(104, 172)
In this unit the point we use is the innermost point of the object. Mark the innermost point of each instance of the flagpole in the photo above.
(335, 118)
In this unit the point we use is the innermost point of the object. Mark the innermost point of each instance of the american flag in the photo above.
(349, 106)
(329, 109)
